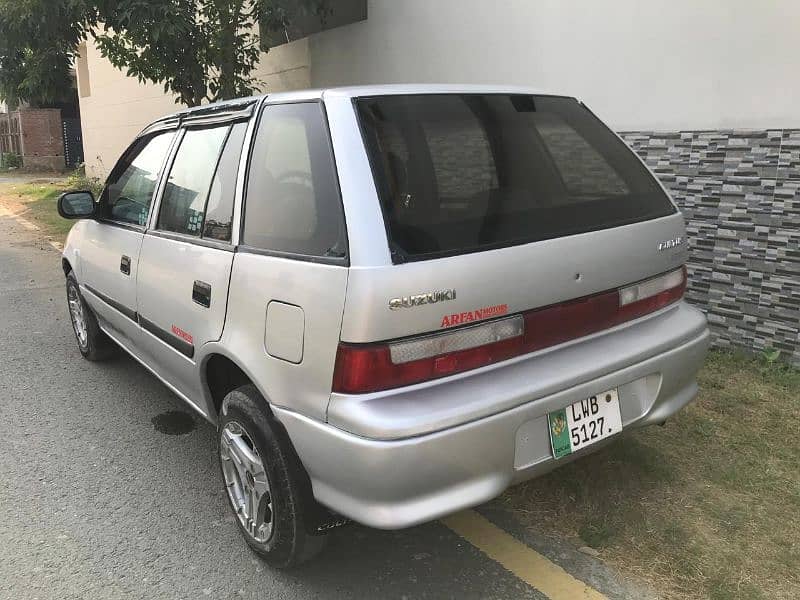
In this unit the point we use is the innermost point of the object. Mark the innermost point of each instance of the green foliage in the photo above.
(38, 42)
(79, 181)
(233, 47)
(199, 50)
(10, 160)
(770, 356)
(161, 41)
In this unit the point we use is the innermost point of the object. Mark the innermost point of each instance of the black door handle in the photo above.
(201, 293)
(125, 265)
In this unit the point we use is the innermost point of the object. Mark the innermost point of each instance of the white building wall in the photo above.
(654, 64)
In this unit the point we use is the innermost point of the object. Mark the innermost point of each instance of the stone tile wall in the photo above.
(740, 193)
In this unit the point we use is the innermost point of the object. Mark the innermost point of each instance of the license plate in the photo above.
(583, 423)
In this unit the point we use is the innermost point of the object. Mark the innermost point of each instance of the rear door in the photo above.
(186, 256)
(109, 256)
(496, 204)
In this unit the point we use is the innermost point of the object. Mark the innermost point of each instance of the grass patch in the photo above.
(706, 507)
(40, 203)
(39, 199)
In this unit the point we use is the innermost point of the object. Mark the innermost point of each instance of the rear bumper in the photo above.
(402, 480)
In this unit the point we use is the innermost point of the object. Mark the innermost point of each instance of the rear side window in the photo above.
(460, 173)
(293, 204)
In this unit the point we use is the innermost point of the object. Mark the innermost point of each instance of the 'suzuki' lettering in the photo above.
(474, 315)
(420, 299)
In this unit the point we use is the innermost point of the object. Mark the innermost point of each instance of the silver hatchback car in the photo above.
(392, 301)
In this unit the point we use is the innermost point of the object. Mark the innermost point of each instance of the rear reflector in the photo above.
(362, 368)
(453, 341)
(651, 287)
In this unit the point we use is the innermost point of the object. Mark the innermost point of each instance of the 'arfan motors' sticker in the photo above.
(184, 335)
(474, 315)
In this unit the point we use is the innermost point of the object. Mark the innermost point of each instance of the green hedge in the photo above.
(10, 160)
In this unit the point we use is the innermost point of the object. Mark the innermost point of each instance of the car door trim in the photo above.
(163, 178)
(118, 306)
(165, 336)
(169, 338)
(241, 174)
(339, 261)
(121, 224)
(190, 239)
(160, 377)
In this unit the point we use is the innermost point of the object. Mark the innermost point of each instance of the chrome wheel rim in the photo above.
(77, 316)
(246, 481)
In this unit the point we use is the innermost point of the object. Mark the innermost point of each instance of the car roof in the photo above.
(245, 104)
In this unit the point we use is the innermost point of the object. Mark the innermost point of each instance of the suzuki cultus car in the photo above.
(393, 302)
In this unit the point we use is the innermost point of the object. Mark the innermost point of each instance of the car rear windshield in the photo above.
(458, 173)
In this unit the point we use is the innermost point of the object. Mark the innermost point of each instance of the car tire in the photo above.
(92, 342)
(254, 451)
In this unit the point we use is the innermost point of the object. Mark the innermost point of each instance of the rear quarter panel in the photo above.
(319, 291)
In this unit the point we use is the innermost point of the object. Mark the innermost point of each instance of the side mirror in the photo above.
(76, 205)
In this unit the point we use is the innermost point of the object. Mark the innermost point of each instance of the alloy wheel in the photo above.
(246, 481)
(77, 316)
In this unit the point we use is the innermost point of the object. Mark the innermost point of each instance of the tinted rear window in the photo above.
(460, 173)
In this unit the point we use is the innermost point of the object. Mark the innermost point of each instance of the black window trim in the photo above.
(190, 239)
(339, 261)
(121, 224)
(162, 182)
(118, 306)
(180, 127)
(222, 148)
(169, 338)
(342, 261)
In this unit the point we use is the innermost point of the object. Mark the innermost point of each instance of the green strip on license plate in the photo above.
(559, 433)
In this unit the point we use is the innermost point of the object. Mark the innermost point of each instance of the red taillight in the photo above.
(362, 368)
(369, 368)
(672, 289)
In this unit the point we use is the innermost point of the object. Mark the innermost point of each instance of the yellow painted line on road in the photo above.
(523, 561)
